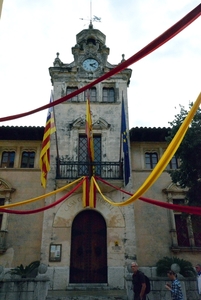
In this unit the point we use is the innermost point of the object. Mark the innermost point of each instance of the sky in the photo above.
(32, 32)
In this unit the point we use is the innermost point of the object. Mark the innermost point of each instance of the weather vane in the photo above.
(91, 19)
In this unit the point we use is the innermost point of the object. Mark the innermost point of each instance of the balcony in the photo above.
(71, 170)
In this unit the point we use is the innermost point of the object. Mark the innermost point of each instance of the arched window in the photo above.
(7, 160)
(28, 158)
(151, 159)
(91, 94)
(173, 164)
(71, 89)
(108, 94)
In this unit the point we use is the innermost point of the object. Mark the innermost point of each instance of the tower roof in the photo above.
(91, 35)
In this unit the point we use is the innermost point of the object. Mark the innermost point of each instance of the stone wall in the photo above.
(24, 289)
(13, 287)
(158, 290)
(48, 280)
(37, 289)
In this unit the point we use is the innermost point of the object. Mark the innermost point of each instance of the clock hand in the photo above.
(93, 64)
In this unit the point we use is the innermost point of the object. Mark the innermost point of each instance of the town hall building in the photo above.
(83, 245)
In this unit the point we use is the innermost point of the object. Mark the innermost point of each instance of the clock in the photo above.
(90, 64)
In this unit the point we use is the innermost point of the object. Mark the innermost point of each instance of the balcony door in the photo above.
(83, 155)
(88, 262)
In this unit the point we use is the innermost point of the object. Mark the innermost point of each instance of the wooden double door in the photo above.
(88, 263)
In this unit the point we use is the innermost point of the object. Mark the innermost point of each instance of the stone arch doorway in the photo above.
(88, 262)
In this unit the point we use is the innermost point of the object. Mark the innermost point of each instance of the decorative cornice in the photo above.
(99, 124)
(6, 186)
(175, 188)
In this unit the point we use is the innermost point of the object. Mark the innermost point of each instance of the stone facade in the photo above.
(139, 231)
(70, 120)
(155, 226)
(23, 233)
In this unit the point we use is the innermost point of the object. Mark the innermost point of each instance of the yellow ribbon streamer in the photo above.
(84, 188)
(91, 193)
(42, 196)
(161, 165)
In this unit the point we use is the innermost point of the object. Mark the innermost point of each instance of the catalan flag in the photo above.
(125, 145)
(89, 133)
(45, 151)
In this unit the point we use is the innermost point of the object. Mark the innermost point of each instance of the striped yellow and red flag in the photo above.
(89, 132)
(45, 151)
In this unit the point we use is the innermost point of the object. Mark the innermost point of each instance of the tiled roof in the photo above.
(21, 133)
(148, 134)
(137, 134)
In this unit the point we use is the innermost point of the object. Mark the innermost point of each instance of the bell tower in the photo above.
(97, 243)
(90, 45)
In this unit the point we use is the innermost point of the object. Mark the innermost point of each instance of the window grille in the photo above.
(83, 154)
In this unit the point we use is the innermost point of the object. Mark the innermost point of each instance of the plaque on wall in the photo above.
(55, 252)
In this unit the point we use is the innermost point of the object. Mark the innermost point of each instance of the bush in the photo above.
(163, 265)
(25, 272)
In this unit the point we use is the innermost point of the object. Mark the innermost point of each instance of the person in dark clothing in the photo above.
(139, 283)
(198, 270)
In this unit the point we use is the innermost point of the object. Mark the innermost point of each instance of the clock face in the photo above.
(90, 64)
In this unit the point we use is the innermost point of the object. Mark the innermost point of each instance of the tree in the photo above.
(189, 153)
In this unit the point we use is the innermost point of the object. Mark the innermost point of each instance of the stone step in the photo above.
(87, 295)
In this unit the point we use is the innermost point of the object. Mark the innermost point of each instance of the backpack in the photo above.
(148, 286)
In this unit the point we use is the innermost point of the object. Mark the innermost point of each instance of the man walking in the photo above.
(198, 270)
(139, 283)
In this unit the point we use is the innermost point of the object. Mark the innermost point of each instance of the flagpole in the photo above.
(90, 12)
(120, 150)
(56, 140)
(88, 143)
(124, 131)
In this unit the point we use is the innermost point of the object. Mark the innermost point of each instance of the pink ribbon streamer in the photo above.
(34, 211)
(159, 41)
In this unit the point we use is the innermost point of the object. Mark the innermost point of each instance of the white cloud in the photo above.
(32, 32)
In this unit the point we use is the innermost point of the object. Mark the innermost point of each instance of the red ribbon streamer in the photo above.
(34, 211)
(159, 41)
(195, 210)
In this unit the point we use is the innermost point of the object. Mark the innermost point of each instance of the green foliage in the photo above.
(164, 265)
(189, 172)
(24, 272)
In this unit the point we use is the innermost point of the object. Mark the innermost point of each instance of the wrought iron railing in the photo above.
(75, 169)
